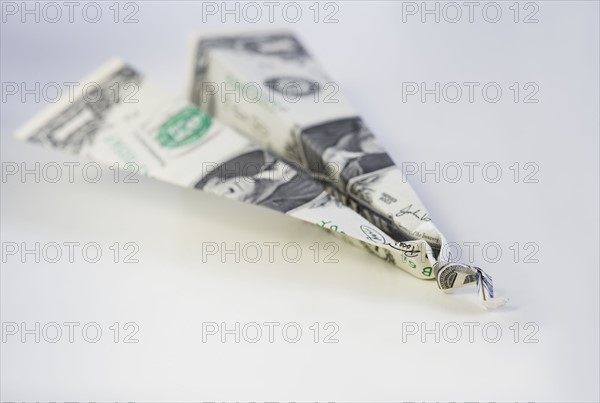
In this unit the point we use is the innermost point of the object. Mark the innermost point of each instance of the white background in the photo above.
(370, 52)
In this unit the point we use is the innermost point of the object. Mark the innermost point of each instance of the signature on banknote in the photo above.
(416, 213)
(410, 250)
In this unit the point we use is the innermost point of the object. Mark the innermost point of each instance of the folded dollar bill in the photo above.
(127, 119)
(268, 87)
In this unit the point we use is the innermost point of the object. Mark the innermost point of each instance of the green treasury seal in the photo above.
(187, 127)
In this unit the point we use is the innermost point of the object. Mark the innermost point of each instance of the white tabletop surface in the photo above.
(385, 321)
